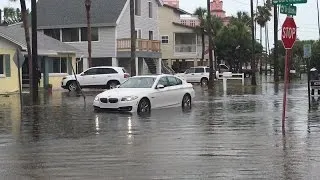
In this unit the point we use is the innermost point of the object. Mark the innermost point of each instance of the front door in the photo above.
(189, 74)
(88, 78)
(161, 98)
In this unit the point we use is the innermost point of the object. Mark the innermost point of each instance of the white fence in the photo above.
(229, 75)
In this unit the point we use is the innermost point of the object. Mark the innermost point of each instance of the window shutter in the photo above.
(70, 66)
(7, 65)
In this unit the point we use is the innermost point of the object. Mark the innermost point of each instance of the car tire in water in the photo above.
(186, 102)
(112, 84)
(204, 81)
(144, 106)
(72, 86)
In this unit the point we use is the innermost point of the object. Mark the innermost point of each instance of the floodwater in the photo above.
(236, 135)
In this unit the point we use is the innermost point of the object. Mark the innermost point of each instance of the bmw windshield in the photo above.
(139, 82)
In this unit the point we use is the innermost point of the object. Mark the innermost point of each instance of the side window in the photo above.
(90, 72)
(179, 82)
(191, 70)
(208, 70)
(164, 81)
(107, 71)
(199, 70)
(172, 81)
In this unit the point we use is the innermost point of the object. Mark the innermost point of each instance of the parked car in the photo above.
(196, 75)
(143, 93)
(96, 77)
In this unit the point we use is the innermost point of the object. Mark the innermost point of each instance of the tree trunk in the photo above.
(276, 62)
(266, 56)
(88, 8)
(34, 47)
(268, 48)
(203, 46)
(133, 39)
(253, 60)
(27, 36)
(209, 30)
(261, 45)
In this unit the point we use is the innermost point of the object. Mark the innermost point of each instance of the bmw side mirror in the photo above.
(160, 86)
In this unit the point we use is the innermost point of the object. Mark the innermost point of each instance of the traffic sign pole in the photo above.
(286, 84)
(288, 36)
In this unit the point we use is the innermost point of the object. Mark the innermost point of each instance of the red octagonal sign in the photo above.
(289, 33)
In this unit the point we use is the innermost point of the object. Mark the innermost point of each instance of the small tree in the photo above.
(201, 12)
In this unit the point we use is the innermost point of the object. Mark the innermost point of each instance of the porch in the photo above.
(144, 45)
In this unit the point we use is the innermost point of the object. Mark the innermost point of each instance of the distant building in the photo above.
(216, 10)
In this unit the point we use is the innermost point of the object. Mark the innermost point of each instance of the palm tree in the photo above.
(133, 38)
(88, 8)
(240, 30)
(262, 19)
(24, 13)
(253, 58)
(201, 12)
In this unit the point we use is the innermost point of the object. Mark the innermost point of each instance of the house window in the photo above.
(150, 35)
(138, 33)
(54, 33)
(164, 39)
(192, 23)
(137, 8)
(58, 65)
(94, 34)
(1, 65)
(183, 22)
(70, 35)
(150, 10)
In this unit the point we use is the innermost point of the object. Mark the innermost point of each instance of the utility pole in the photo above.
(88, 8)
(133, 38)
(34, 51)
(318, 17)
(209, 30)
(253, 58)
(275, 29)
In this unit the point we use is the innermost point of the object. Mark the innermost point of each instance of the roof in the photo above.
(72, 13)
(181, 11)
(46, 45)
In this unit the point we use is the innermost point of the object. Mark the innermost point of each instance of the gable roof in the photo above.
(15, 34)
(72, 13)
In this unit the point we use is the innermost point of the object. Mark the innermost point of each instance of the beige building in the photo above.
(180, 45)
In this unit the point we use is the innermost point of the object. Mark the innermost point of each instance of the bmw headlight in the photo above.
(129, 98)
(97, 98)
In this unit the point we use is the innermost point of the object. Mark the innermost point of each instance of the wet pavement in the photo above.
(225, 136)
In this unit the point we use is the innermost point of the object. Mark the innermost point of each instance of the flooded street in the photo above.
(232, 136)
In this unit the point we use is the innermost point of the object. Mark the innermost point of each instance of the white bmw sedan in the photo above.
(142, 93)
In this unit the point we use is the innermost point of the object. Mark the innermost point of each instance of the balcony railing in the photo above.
(142, 45)
(186, 48)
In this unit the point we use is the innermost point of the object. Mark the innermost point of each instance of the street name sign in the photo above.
(289, 1)
(289, 10)
(289, 33)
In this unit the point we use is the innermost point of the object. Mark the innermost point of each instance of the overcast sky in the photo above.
(306, 21)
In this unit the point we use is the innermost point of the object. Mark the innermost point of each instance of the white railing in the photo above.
(186, 48)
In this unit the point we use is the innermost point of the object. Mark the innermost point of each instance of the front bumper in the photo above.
(121, 106)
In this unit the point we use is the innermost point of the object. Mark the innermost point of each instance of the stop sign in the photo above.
(289, 33)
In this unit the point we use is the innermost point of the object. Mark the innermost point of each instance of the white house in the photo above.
(65, 20)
